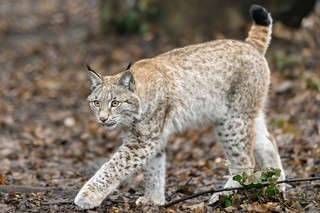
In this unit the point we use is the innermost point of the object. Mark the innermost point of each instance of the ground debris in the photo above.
(50, 141)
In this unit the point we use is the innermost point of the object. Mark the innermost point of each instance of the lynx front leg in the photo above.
(236, 138)
(154, 177)
(130, 157)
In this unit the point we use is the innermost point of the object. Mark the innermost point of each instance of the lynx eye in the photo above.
(115, 103)
(96, 103)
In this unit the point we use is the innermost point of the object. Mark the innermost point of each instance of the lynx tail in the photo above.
(260, 33)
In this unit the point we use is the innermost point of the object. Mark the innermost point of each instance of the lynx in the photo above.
(222, 83)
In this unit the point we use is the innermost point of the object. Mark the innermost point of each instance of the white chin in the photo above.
(110, 127)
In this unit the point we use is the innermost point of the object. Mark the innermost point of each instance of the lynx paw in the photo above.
(282, 187)
(230, 184)
(87, 199)
(143, 201)
(215, 198)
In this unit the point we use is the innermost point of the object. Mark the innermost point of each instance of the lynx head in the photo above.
(113, 100)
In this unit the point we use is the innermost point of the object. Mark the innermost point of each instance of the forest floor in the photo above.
(49, 140)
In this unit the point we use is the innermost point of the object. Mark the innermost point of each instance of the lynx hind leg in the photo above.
(154, 178)
(236, 137)
(265, 150)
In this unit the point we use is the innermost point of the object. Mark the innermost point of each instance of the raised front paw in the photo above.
(86, 199)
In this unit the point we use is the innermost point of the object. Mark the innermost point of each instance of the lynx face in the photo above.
(113, 102)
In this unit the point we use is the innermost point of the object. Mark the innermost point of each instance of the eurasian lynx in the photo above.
(223, 83)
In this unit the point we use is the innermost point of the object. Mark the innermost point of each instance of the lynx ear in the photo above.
(127, 80)
(95, 78)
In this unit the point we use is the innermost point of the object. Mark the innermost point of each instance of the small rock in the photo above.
(284, 87)
(69, 121)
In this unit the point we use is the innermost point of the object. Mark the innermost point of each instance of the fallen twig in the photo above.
(23, 189)
(175, 192)
(212, 191)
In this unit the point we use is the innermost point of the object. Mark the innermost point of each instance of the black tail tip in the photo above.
(260, 15)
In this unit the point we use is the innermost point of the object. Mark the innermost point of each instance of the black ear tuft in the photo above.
(260, 15)
(129, 65)
(127, 80)
(89, 68)
(95, 78)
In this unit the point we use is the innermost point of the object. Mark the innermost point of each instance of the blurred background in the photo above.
(48, 137)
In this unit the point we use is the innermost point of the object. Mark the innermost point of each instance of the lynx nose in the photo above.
(103, 119)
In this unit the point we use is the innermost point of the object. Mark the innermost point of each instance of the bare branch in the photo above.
(212, 191)
(175, 192)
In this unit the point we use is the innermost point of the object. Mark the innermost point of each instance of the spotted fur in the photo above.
(222, 83)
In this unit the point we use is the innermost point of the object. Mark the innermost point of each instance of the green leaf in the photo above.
(227, 202)
(237, 178)
(272, 190)
(277, 172)
(253, 186)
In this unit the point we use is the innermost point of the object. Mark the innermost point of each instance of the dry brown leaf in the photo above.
(1, 179)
